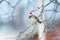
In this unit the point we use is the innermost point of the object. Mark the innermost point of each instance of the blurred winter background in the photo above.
(18, 12)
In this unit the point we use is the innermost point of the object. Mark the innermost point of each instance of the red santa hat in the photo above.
(30, 13)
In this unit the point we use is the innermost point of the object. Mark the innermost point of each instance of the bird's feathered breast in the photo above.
(33, 19)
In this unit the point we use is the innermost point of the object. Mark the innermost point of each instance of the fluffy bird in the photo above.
(33, 18)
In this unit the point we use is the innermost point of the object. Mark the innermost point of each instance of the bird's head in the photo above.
(30, 13)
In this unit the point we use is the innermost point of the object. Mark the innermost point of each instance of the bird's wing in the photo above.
(35, 16)
(37, 19)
